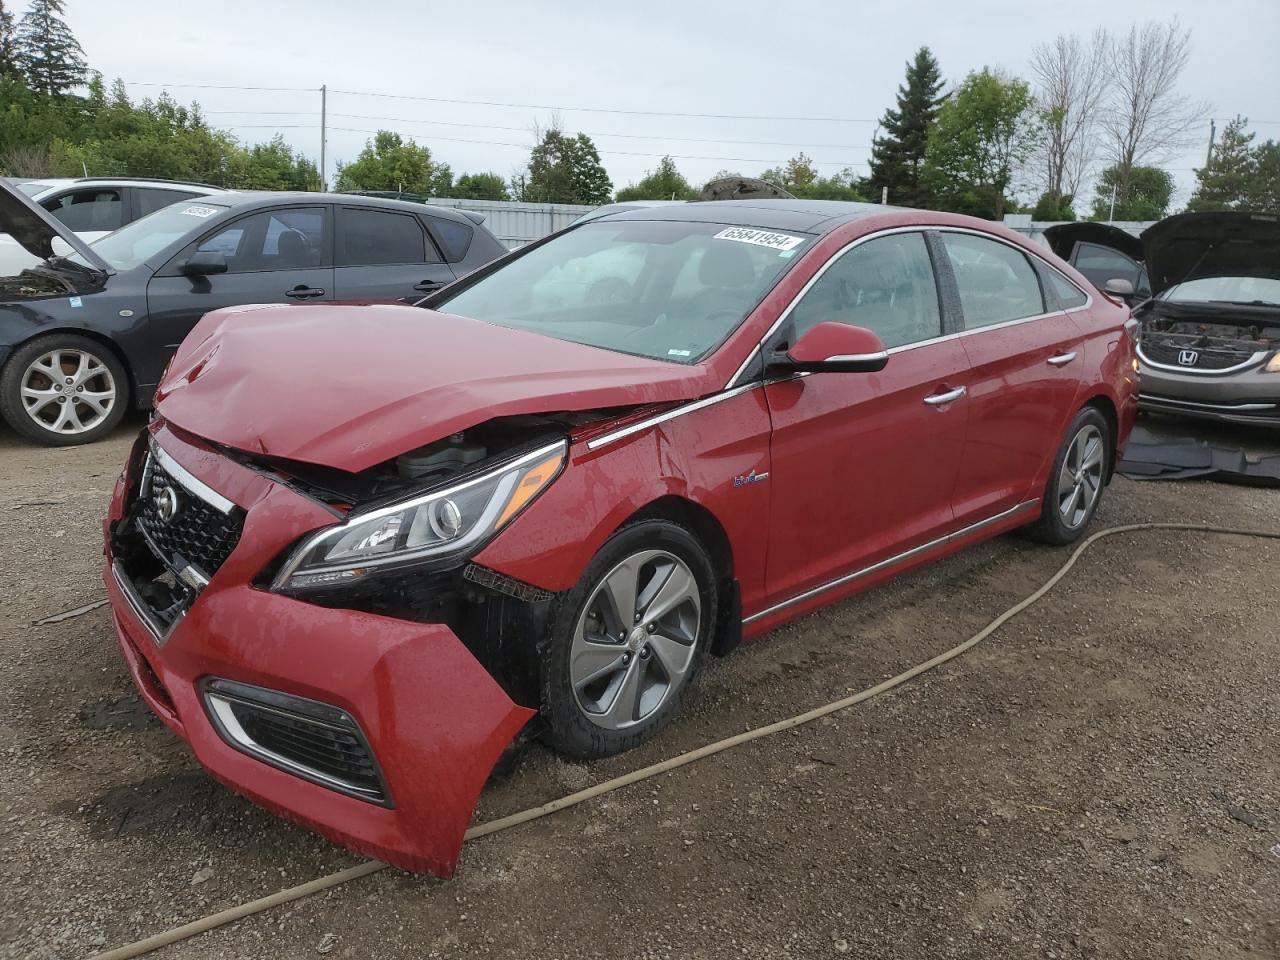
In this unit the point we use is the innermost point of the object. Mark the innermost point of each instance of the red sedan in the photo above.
(361, 548)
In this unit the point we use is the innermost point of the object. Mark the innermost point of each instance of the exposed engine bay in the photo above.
(423, 467)
(30, 285)
(1171, 334)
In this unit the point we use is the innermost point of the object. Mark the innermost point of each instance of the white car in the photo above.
(92, 207)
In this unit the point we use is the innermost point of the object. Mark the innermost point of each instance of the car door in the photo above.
(1024, 359)
(863, 465)
(89, 212)
(279, 255)
(385, 255)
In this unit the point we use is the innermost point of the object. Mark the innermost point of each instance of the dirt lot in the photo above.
(1101, 779)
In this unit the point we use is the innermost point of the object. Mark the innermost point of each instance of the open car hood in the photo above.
(1063, 237)
(1191, 246)
(352, 386)
(31, 226)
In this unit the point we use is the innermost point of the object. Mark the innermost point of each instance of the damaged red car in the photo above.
(360, 549)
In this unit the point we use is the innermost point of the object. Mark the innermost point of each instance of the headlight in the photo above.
(443, 523)
(1273, 365)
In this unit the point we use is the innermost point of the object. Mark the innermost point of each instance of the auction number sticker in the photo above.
(196, 210)
(761, 238)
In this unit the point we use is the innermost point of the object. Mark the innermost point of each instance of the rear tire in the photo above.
(627, 642)
(1077, 480)
(63, 389)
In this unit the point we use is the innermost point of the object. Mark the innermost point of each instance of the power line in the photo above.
(221, 86)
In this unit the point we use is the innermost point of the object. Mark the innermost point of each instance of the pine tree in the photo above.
(8, 45)
(897, 156)
(48, 52)
(1225, 180)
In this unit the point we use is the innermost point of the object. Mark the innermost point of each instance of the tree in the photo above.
(663, 183)
(800, 179)
(985, 131)
(387, 162)
(48, 52)
(897, 157)
(273, 166)
(564, 169)
(1053, 206)
(1150, 191)
(1263, 193)
(1071, 81)
(1146, 119)
(1224, 181)
(480, 186)
(9, 64)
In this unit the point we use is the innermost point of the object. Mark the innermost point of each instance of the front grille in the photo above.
(1169, 351)
(197, 534)
(303, 737)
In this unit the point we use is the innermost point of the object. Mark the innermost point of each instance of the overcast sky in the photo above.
(838, 63)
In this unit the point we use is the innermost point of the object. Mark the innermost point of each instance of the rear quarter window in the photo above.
(454, 237)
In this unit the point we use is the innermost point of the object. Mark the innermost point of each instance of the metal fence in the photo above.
(1022, 223)
(515, 223)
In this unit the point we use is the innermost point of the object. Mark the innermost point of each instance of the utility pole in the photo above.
(1112, 218)
(1213, 130)
(324, 186)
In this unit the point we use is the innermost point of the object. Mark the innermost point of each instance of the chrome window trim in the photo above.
(917, 228)
(192, 485)
(858, 357)
(892, 561)
(1254, 360)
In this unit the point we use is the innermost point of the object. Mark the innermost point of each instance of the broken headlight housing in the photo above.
(445, 523)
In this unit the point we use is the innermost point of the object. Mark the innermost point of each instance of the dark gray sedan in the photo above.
(83, 336)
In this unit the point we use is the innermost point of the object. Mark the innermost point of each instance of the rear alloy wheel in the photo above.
(629, 640)
(63, 390)
(1079, 475)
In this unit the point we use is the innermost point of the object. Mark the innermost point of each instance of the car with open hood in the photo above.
(1209, 340)
(87, 329)
(361, 550)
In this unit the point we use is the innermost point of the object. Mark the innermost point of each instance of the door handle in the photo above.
(1061, 359)
(426, 286)
(303, 292)
(937, 399)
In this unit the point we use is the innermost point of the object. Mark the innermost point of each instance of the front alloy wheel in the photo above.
(626, 643)
(1080, 478)
(63, 389)
(635, 640)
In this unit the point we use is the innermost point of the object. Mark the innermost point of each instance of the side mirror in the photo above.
(1118, 287)
(203, 264)
(834, 347)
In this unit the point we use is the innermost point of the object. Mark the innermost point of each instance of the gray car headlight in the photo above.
(442, 523)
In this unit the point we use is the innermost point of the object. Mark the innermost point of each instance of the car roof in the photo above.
(248, 200)
(57, 183)
(807, 216)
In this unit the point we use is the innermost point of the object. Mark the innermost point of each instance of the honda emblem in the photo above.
(1188, 358)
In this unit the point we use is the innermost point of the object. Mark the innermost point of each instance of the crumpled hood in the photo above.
(1190, 246)
(352, 386)
(34, 229)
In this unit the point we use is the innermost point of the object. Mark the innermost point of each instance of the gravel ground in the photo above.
(1100, 779)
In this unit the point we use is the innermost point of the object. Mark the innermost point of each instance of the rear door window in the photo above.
(996, 282)
(88, 211)
(374, 237)
(151, 199)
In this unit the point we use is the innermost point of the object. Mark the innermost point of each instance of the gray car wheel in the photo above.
(63, 390)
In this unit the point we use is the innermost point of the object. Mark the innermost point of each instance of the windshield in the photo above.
(132, 244)
(1262, 290)
(665, 290)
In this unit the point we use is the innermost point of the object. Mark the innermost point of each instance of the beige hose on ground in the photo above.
(233, 914)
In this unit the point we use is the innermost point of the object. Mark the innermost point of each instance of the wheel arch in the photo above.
(1107, 407)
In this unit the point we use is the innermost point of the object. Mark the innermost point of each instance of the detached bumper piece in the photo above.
(309, 739)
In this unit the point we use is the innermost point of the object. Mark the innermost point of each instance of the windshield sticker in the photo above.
(196, 210)
(761, 238)
(679, 353)
(75, 302)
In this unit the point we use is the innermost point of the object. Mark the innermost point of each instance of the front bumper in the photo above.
(432, 716)
(1243, 396)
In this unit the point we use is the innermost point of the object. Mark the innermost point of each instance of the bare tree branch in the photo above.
(1071, 83)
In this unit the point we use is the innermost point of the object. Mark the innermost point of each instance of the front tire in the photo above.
(628, 640)
(1077, 480)
(63, 390)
